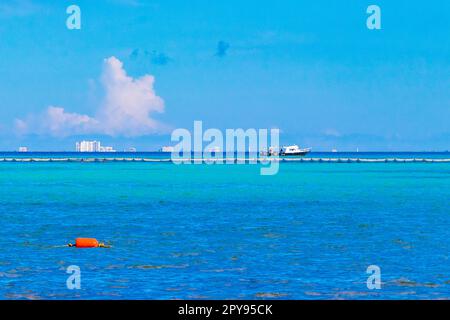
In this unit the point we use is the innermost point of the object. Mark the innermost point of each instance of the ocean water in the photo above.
(224, 231)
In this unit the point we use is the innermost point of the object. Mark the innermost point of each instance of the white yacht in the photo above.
(293, 150)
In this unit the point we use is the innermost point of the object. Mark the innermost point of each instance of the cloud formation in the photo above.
(157, 58)
(222, 49)
(126, 109)
(161, 59)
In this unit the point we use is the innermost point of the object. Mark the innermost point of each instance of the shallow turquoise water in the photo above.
(224, 231)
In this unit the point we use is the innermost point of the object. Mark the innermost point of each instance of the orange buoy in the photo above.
(86, 243)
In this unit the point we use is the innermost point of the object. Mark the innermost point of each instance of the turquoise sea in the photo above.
(198, 231)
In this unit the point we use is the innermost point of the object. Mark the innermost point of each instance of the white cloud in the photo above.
(128, 102)
(126, 109)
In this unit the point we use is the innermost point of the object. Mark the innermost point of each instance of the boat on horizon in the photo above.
(293, 150)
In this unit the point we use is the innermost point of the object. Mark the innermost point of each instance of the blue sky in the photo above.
(310, 68)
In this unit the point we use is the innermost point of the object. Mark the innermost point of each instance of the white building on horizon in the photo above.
(92, 146)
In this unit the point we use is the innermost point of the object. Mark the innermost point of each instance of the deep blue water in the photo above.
(225, 231)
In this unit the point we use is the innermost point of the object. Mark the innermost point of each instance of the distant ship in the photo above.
(293, 150)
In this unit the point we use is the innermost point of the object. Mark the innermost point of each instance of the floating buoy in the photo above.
(88, 243)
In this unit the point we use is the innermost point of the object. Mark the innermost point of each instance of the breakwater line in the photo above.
(233, 160)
